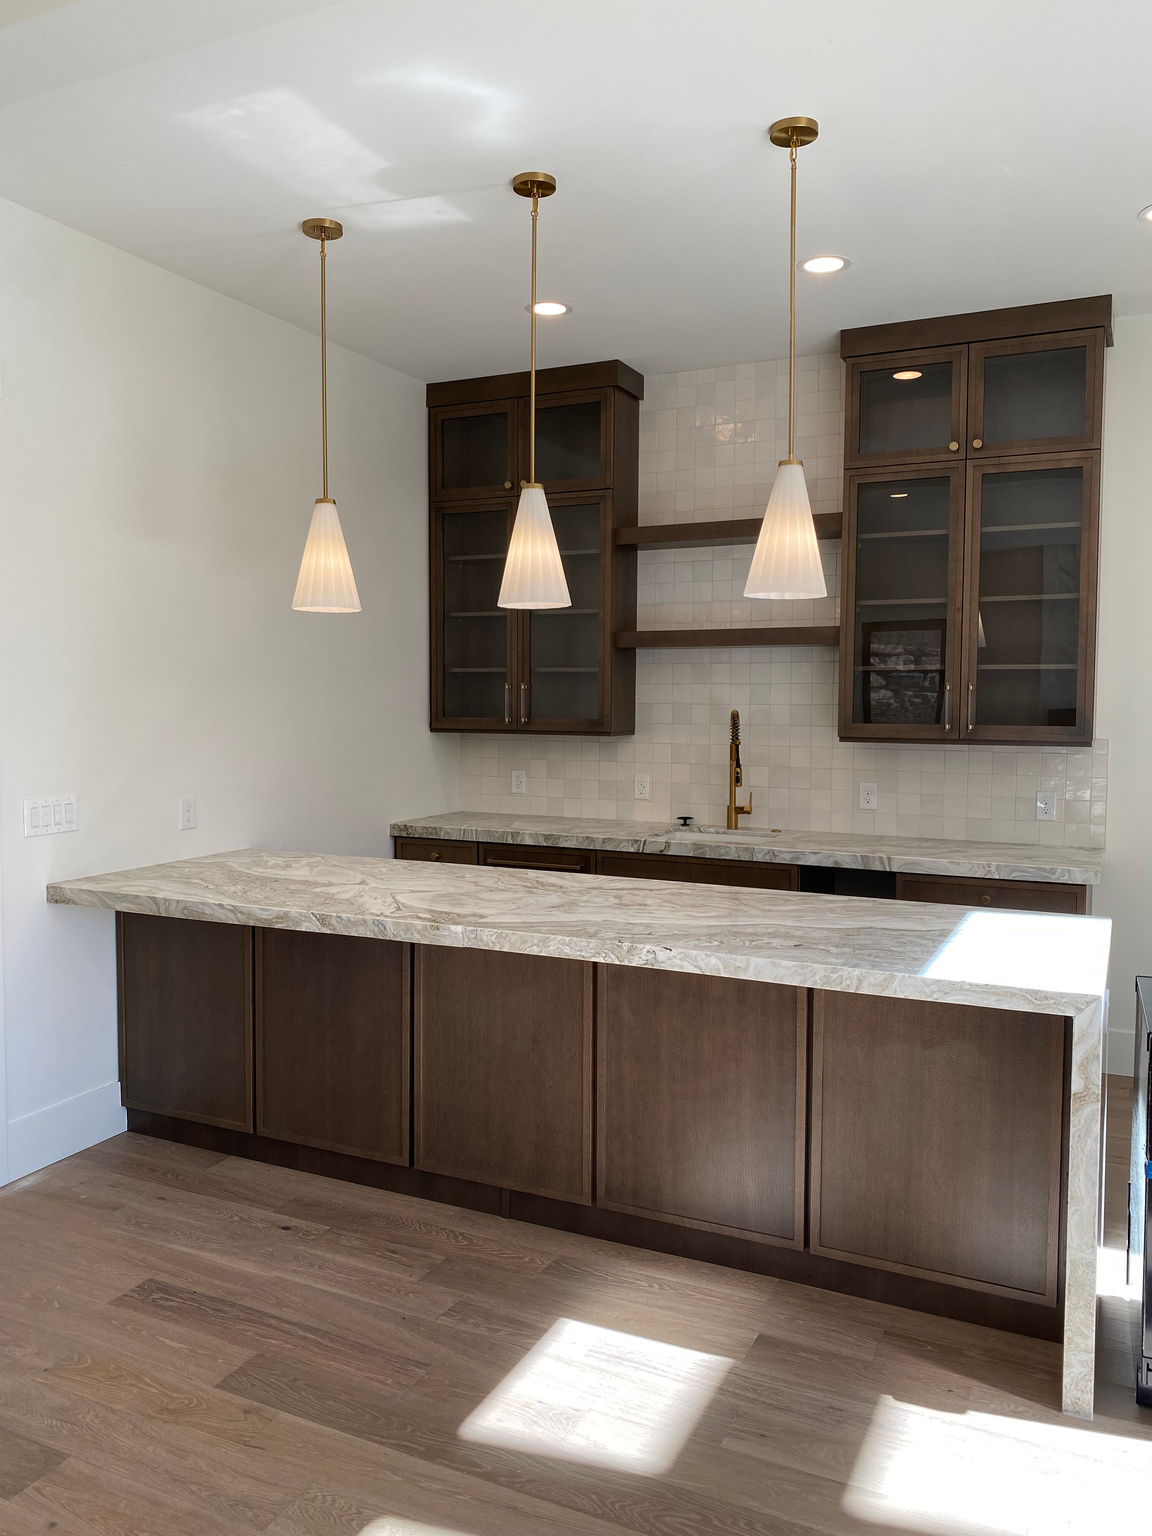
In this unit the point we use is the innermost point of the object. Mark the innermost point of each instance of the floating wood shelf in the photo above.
(796, 634)
(732, 530)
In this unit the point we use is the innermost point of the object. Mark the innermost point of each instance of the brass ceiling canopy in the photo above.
(793, 130)
(534, 184)
(322, 229)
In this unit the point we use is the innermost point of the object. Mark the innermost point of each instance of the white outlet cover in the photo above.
(643, 786)
(868, 797)
(519, 781)
(188, 813)
(1046, 805)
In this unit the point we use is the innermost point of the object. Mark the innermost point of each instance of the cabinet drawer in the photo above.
(570, 861)
(666, 866)
(1017, 895)
(439, 851)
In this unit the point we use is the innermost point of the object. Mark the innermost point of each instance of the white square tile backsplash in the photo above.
(709, 445)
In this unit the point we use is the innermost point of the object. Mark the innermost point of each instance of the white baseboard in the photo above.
(47, 1135)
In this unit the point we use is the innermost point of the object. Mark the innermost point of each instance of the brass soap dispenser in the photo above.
(736, 777)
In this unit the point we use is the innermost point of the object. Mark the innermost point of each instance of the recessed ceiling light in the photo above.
(905, 374)
(551, 307)
(825, 264)
(898, 495)
(1145, 214)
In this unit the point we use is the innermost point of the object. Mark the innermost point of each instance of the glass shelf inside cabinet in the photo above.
(474, 451)
(906, 409)
(901, 601)
(1030, 396)
(566, 641)
(568, 442)
(1031, 524)
(475, 631)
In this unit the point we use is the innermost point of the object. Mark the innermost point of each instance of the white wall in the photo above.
(1124, 671)
(159, 449)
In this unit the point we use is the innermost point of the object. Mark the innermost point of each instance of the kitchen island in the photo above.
(896, 1099)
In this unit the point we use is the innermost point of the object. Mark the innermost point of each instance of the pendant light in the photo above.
(533, 571)
(326, 583)
(787, 558)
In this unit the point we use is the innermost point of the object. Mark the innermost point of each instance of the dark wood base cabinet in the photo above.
(185, 1005)
(701, 1102)
(908, 1152)
(937, 1140)
(503, 1081)
(332, 1048)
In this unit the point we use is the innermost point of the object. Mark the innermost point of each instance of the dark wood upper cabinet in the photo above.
(554, 671)
(901, 613)
(1011, 417)
(473, 449)
(1037, 395)
(1031, 592)
(906, 409)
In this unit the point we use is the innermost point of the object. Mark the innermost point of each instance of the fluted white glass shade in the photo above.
(787, 558)
(326, 583)
(533, 571)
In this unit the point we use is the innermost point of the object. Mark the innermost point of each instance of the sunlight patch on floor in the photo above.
(606, 1399)
(393, 1525)
(978, 1474)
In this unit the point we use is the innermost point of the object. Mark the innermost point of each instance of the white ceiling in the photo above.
(969, 156)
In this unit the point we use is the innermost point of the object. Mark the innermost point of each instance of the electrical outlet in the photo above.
(51, 813)
(867, 797)
(643, 786)
(188, 813)
(519, 781)
(1046, 806)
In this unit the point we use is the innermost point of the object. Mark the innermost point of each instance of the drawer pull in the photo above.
(564, 869)
(953, 447)
(985, 900)
(977, 442)
(436, 855)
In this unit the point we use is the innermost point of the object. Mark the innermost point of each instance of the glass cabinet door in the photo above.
(572, 441)
(1035, 396)
(475, 683)
(900, 613)
(473, 449)
(1031, 583)
(904, 408)
(564, 644)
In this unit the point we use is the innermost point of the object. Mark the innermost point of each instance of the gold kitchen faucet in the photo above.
(736, 777)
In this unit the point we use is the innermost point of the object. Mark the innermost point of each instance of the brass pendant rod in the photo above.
(792, 309)
(324, 361)
(532, 365)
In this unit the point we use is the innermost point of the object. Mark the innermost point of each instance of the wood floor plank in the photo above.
(23, 1460)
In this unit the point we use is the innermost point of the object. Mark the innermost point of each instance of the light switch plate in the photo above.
(1046, 805)
(188, 813)
(51, 813)
(867, 797)
(519, 781)
(643, 786)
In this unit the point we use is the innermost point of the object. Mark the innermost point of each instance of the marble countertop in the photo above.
(1033, 962)
(840, 850)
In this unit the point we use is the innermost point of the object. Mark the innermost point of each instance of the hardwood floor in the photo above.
(194, 1345)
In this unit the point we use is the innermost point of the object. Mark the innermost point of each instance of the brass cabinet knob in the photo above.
(952, 447)
(436, 855)
(977, 442)
(507, 485)
(985, 900)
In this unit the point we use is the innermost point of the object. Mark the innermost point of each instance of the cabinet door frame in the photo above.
(438, 719)
(522, 695)
(859, 730)
(441, 413)
(978, 352)
(957, 356)
(573, 397)
(1079, 734)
